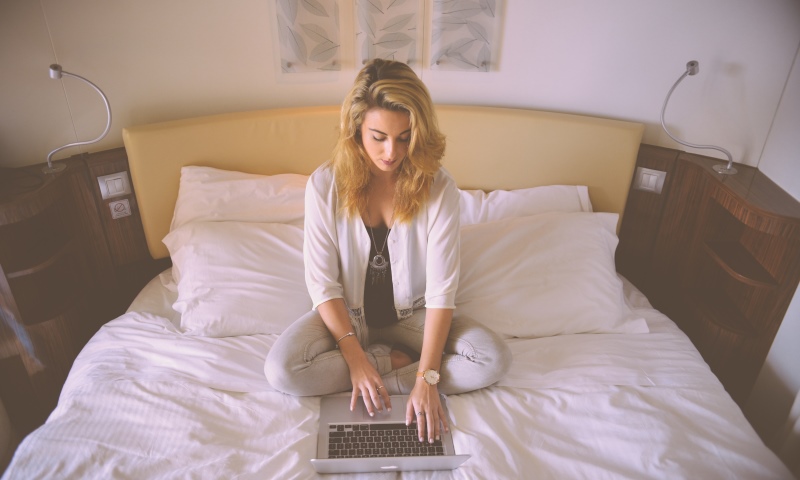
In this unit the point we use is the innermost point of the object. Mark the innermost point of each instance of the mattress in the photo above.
(144, 400)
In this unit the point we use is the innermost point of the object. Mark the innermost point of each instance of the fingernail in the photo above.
(430, 440)
(389, 409)
(371, 414)
(437, 438)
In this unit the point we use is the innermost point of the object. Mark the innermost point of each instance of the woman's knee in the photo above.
(277, 372)
(487, 351)
(293, 352)
(496, 362)
(283, 379)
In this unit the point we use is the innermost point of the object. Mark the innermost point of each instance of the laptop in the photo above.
(354, 442)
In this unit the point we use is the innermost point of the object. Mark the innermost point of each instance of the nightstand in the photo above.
(44, 283)
(719, 254)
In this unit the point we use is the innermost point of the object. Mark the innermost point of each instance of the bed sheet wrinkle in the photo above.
(652, 359)
(163, 430)
(629, 432)
(484, 426)
(146, 346)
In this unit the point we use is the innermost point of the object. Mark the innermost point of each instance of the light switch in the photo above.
(649, 180)
(114, 185)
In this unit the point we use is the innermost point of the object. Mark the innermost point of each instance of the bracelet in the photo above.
(343, 337)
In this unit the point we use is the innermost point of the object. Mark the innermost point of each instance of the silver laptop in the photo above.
(354, 442)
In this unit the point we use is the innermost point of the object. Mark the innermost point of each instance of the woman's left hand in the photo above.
(425, 405)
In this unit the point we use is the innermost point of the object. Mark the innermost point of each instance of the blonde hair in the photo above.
(392, 86)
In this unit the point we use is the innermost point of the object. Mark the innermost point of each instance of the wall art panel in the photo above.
(308, 34)
(389, 29)
(464, 34)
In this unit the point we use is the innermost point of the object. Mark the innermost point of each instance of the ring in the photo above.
(379, 387)
(420, 413)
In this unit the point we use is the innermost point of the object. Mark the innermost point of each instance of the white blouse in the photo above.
(424, 253)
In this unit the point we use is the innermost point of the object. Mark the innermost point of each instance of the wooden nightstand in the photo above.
(44, 284)
(719, 254)
(66, 268)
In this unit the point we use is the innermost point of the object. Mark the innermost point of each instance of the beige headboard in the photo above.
(487, 148)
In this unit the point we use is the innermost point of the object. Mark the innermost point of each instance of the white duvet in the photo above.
(145, 402)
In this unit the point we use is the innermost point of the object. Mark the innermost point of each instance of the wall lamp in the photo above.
(56, 73)
(691, 69)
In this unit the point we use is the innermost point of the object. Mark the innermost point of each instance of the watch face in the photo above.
(431, 376)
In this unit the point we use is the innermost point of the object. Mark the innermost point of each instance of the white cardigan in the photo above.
(424, 253)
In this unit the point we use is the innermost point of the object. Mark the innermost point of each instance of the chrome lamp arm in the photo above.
(57, 72)
(692, 68)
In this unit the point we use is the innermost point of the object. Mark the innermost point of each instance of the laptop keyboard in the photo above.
(378, 440)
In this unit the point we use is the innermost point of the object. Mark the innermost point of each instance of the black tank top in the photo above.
(379, 296)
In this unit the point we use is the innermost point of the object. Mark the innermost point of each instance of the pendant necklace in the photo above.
(378, 264)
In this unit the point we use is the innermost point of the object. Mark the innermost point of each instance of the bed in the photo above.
(601, 384)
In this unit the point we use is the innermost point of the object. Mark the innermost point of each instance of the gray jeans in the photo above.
(305, 361)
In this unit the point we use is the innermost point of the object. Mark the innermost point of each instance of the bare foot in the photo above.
(399, 359)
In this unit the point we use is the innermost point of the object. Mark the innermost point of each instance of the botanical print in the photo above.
(387, 29)
(308, 33)
(463, 34)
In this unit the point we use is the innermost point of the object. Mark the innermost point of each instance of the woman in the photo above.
(381, 257)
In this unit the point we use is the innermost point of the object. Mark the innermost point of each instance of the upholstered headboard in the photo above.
(487, 148)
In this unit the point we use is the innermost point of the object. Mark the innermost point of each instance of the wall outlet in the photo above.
(120, 208)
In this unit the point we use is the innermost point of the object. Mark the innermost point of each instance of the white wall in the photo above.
(779, 380)
(159, 60)
(166, 59)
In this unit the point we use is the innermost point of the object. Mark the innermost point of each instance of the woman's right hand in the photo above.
(364, 377)
(367, 383)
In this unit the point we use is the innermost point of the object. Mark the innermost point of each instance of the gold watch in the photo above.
(431, 377)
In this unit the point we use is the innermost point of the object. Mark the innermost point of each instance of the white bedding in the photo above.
(145, 401)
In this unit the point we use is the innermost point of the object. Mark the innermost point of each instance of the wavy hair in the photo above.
(392, 86)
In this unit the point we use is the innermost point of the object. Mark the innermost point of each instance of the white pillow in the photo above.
(210, 194)
(478, 206)
(238, 278)
(544, 275)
